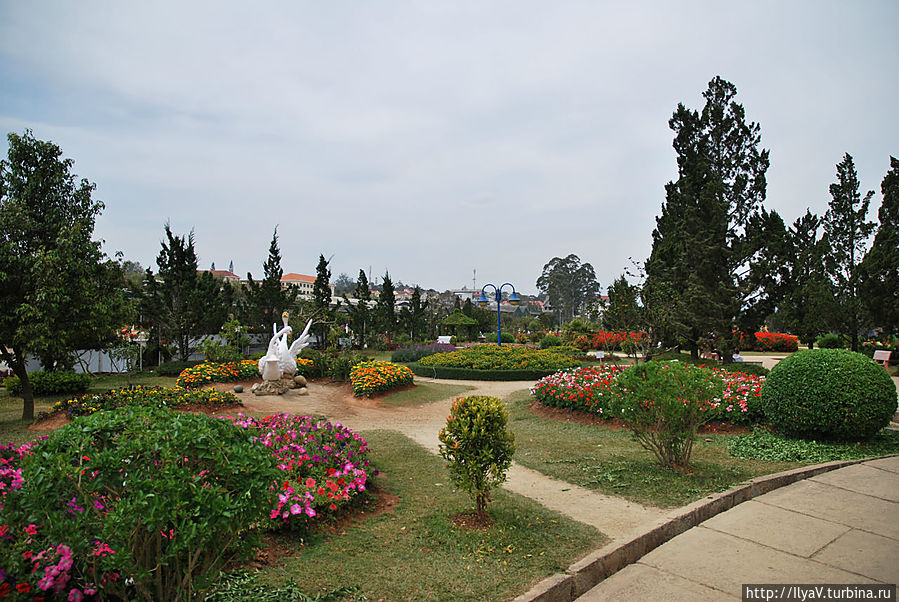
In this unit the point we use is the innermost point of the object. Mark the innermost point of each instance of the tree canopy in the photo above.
(880, 267)
(267, 300)
(58, 290)
(569, 284)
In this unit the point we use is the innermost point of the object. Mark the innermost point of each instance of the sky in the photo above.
(432, 139)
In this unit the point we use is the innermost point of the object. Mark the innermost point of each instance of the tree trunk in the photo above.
(17, 364)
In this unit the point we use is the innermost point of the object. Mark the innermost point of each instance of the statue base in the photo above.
(280, 386)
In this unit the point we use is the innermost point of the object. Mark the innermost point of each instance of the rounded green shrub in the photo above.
(830, 341)
(51, 383)
(830, 394)
(137, 503)
(550, 340)
(477, 446)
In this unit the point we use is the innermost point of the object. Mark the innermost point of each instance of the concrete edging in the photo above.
(589, 571)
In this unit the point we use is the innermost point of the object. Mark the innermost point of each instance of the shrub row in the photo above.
(175, 368)
(506, 357)
(768, 341)
(51, 383)
(474, 374)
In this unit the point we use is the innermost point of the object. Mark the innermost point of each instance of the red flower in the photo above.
(23, 588)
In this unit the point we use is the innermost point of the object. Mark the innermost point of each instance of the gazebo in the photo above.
(460, 326)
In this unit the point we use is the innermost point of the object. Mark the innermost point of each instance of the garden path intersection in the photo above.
(839, 525)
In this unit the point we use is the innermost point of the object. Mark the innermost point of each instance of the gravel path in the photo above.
(611, 515)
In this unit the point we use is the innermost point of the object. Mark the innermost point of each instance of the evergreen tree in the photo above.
(768, 281)
(846, 231)
(414, 317)
(880, 267)
(321, 298)
(386, 307)
(360, 312)
(180, 303)
(58, 291)
(267, 299)
(808, 302)
(703, 239)
(622, 314)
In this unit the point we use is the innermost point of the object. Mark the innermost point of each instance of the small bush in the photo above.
(319, 365)
(507, 337)
(550, 340)
(216, 351)
(141, 503)
(830, 341)
(663, 404)
(416, 352)
(830, 394)
(174, 368)
(477, 446)
(745, 368)
(341, 365)
(51, 383)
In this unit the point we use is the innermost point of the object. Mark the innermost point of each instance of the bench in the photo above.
(882, 358)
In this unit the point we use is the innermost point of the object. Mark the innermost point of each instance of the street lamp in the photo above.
(513, 299)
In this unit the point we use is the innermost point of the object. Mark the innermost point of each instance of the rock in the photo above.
(271, 387)
(238, 388)
(302, 391)
(300, 380)
(254, 387)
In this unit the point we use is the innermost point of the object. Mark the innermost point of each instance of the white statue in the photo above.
(281, 360)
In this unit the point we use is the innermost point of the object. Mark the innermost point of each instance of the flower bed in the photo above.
(374, 377)
(413, 353)
(324, 465)
(505, 357)
(215, 372)
(769, 341)
(606, 340)
(84, 405)
(592, 389)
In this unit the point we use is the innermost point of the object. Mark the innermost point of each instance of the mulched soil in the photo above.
(715, 427)
(471, 521)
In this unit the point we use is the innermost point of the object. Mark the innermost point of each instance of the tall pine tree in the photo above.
(846, 232)
(360, 312)
(267, 300)
(880, 267)
(386, 307)
(321, 298)
(414, 318)
(703, 244)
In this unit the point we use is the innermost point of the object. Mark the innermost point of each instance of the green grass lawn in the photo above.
(415, 552)
(424, 392)
(609, 461)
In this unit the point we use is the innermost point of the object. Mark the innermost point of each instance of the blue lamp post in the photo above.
(513, 299)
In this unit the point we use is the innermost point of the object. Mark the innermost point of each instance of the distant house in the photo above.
(224, 275)
(303, 283)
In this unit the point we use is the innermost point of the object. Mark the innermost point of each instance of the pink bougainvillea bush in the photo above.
(323, 465)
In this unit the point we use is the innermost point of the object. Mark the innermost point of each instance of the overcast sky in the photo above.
(434, 138)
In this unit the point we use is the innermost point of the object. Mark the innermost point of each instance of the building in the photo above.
(224, 275)
(304, 284)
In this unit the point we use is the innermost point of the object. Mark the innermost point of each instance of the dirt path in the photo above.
(613, 516)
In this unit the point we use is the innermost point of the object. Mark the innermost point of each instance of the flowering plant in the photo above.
(373, 377)
(323, 465)
(84, 405)
(505, 357)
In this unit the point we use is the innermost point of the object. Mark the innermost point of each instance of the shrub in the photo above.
(495, 357)
(341, 365)
(174, 368)
(507, 337)
(216, 351)
(830, 341)
(140, 503)
(477, 446)
(51, 383)
(606, 340)
(374, 377)
(828, 393)
(663, 404)
(550, 340)
(745, 368)
(157, 397)
(416, 352)
(319, 364)
(323, 466)
(774, 341)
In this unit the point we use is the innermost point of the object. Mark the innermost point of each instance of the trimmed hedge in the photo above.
(472, 374)
(51, 383)
(828, 393)
(175, 368)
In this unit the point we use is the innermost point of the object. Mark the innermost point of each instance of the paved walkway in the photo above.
(838, 527)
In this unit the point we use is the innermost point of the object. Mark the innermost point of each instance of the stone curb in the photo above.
(587, 572)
